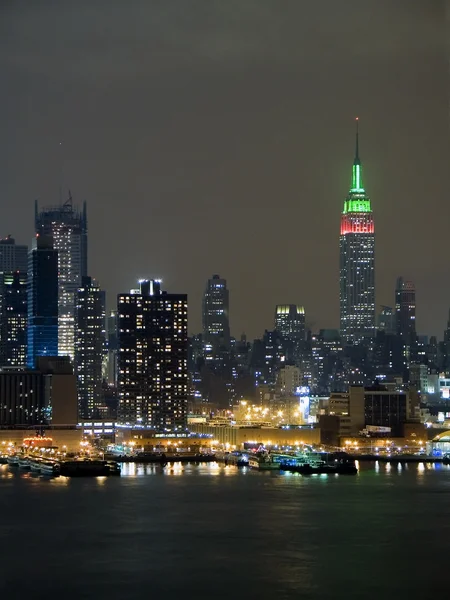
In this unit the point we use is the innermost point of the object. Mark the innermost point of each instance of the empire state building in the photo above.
(357, 261)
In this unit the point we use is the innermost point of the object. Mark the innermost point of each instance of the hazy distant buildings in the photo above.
(386, 320)
(13, 319)
(152, 361)
(42, 295)
(68, 227)
(357, 261)
(13, 257)
(405, 310)
(290, 322)
(89, 347)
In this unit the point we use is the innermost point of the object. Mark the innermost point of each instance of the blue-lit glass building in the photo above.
(42, 290)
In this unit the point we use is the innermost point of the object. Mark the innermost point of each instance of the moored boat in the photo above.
(13, 460)
(49, 467)
(320, 463)
(88, 468)
(35, 464)
(263, 462)
(24, 462)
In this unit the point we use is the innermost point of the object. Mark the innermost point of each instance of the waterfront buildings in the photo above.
(89, 346)
(13, 319)
(379, 408)
(13, 257)
(68, 227)
(42, 295)
(44, 395)
(152, 361)
(357, 261)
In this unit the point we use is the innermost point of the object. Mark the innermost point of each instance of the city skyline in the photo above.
(194, 157)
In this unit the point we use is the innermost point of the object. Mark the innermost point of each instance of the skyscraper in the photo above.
(405, 310)
(89, 346)
(357, 261)
(13, 257)
(13, 319)
(216, 327)
(290, 322)
(152, 362)
(42, 292)
(68, 227)
(216, 324)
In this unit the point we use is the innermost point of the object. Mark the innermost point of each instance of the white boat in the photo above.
(24, 462)
(13, 460)
(263, 462)
(50, 467)
(35, 464)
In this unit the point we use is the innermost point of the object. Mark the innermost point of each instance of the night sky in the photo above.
(216, 136)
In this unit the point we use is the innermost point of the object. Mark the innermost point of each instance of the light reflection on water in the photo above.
(196, 530)
(213, 469)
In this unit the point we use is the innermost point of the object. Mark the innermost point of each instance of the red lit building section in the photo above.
(357, 223)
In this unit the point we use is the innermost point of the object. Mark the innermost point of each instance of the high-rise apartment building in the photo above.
(152, 361)
(357, 261)
(13, 319)
(42, 293)
(405, 310)
(68, 227)
(290, 322)
(89, 347)
(13, 257)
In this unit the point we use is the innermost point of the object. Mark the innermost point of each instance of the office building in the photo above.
(216, 324)
(89, 347)
(13, 257)
(152, 360)
(13, 319)
(357, 261)
(405, 310)
(290, 322)
(42, 294)
(68, 227)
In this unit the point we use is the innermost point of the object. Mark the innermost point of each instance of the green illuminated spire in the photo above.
(357, 183)
(357, 201)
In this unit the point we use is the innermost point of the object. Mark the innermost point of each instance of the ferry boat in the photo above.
(263, 462)
(35, 464)
(49, 467)
(13, 460)
(237, 459)
(320, 463)
(24, 462)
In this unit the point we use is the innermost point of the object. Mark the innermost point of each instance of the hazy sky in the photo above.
(216, 136)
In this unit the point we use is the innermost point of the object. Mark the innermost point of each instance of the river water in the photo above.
(216, 532)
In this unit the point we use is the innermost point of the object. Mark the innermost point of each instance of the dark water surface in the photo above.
(216, 532)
